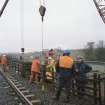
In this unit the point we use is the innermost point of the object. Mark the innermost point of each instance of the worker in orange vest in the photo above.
(65, 67)
(4, 62)
(35, 70)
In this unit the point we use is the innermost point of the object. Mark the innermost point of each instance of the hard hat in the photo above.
(36, 57)
(67, 52)
(78, 58)
(51, 52)
(3, 55)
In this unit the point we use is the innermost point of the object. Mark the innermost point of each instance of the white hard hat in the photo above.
(4, 55)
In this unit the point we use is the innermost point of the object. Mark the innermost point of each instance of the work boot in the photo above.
(57, 96)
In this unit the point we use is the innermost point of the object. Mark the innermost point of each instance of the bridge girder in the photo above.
(100, 5)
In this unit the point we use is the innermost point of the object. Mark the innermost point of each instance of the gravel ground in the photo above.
(7, 95)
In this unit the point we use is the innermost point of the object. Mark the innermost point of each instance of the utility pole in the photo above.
(22, 36)
(42, 11)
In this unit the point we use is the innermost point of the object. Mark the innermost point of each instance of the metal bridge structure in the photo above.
(100, 5)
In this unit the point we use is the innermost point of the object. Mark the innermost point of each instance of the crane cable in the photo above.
(42, 10)
(42, 28)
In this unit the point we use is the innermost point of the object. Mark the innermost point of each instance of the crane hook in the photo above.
(42, 11)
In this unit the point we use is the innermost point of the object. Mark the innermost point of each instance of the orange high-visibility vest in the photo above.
(65, 62)
(35, 66)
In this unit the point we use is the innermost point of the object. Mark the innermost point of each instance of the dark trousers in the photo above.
(4, 67)
(64, 82)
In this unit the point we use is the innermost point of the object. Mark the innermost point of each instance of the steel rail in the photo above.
(18, 88)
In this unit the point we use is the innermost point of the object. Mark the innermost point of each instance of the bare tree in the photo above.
(100, 51)
(89, 51)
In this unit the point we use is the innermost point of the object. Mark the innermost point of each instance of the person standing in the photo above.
(81, 69)
(35, 70)
(4, 62)
(66, 67)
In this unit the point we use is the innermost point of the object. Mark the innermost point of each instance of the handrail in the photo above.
(100, 62)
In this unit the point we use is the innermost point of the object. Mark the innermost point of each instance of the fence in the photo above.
(95, 88)
(23, 68)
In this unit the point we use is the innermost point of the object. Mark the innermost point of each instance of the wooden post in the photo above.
(99, 89)
(104, 91)
(95, 88)
(15, 65)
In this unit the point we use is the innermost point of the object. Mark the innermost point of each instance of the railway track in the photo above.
(24, 94)
(7, 94)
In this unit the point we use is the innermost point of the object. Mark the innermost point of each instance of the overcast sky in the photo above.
(67, 24)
